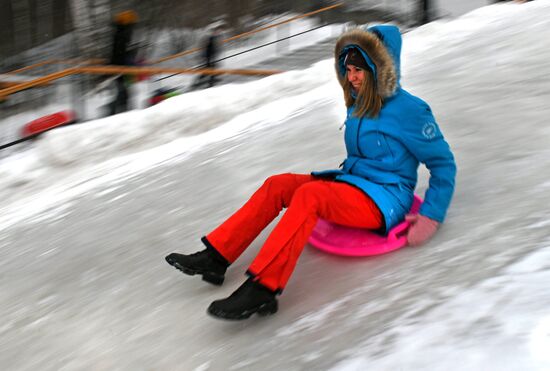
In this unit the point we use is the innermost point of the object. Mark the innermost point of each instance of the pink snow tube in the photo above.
(349, 241)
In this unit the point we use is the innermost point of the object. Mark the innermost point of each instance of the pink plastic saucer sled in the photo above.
(349, 241)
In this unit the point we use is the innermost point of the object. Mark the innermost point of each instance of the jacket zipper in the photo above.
(357, 137)
(357, 143)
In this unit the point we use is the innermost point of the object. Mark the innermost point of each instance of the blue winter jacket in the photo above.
(383, 153)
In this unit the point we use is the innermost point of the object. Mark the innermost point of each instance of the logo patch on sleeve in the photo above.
(429, 130)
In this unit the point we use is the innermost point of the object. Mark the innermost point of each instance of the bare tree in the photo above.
(8, 40)
(425, 11)
(22, 24)
(42, 21)
(91, 21)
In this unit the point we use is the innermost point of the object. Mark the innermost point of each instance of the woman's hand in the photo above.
(421, 229)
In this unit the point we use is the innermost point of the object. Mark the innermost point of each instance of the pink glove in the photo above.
(421, 229)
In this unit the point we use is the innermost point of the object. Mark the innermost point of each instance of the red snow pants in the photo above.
(306, 198)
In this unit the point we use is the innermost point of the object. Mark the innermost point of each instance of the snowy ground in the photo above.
(89, 211)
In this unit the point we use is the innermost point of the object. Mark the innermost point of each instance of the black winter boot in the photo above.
(209, 263)
(251, 297)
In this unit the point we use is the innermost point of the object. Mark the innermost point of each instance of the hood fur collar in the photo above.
(386, 75)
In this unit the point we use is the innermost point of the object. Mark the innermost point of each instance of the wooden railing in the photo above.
(56, 61)
(130, 70)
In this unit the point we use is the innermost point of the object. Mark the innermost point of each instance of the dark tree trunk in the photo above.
(425, 11)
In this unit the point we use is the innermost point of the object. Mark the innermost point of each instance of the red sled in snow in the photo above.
(45, 123)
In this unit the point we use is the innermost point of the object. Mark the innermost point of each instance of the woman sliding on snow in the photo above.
(388, 133)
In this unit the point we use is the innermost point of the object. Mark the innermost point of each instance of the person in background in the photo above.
(389, 132)
(122, 55)
(211, 52)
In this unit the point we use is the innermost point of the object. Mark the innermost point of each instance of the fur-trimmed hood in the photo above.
(381, 48)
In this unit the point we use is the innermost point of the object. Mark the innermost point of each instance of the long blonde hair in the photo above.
(367, 100)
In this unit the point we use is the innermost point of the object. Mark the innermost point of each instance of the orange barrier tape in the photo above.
(7, 84)
(38, 81)
(117, 70)
(282, 22)
(23, 69)
(57, 61)
(159, 70)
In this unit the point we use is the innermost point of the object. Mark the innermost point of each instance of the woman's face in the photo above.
(356, 76)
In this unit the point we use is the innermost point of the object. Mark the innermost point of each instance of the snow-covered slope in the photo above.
(124, 190)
